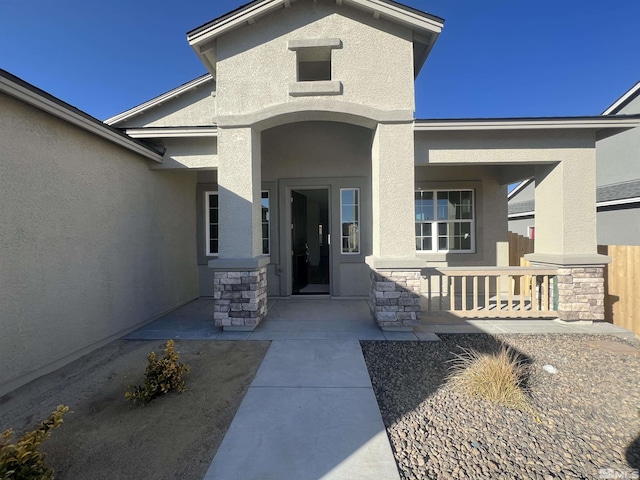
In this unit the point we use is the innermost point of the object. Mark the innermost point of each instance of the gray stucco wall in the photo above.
(521, 225)
(374, 64)
(618, 158)
(93, 242)
(196, 107)
(619, 155)
(619, 226)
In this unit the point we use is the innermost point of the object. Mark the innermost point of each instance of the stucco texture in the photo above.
(375, 63)
(93, 242)
(196, 107)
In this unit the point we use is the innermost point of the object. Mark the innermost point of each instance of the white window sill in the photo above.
(327, 87)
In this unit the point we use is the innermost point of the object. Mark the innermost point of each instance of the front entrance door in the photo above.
(310, 242)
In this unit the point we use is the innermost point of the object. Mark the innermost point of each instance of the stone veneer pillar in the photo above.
(581, 293)
(240, 298)
(395, 298)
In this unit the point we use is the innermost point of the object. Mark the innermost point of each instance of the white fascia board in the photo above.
(59, 111)
(622, 201)
(522, 214)
(233, 21)
(613, 109)
(393, 12)
(172, 132)
(158, 100)
(399, 14)
(519, 187)
(596, 123)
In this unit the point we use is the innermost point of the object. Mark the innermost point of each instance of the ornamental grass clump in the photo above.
(161, 376)
(499, 377)
(24, 460)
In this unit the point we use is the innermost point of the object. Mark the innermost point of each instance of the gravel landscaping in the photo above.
(589, 410)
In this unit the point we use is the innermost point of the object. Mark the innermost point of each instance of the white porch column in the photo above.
(565, 213)
(240, 286)
(395, 277)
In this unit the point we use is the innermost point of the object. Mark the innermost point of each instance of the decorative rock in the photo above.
(586, 423)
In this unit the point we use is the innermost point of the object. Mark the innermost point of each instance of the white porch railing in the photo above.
(492, 292)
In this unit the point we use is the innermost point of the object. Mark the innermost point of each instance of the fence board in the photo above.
(518, 247)
(622, 286)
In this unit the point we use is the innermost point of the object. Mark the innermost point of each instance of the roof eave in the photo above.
(623, 100)
(593, 123)
(201, 39)
(160, 99)
(17, 88)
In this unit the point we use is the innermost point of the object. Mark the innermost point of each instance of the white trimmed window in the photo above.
(211, 223)
(445, 221)
(266, 220)
(350, 220)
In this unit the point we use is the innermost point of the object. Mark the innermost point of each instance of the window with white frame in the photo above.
(266, 220)
(350, 220)
(445, 221)
(211, 223)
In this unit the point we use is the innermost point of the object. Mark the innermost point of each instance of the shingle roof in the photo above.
(522, 207)
(618, 191)
(605, 193)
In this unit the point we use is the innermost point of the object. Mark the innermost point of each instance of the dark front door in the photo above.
(299, 245)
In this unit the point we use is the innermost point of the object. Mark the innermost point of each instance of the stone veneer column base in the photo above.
(395, 298)
(581, 293)
(240, 298)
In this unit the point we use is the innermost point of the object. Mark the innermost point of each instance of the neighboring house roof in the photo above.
(519, 187)
(426, 27)
(160, 99)
(526, 207)
(18, 88)
(607, 195)
(623, 101)
(619, 191)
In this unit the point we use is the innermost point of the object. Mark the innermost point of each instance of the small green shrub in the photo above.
(24, 460)
(161, 376)
(498, 378)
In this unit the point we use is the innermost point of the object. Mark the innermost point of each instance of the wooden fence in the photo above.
(622, 286)
(518, 247)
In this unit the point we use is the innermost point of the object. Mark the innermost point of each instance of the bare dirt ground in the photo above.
(107, 437)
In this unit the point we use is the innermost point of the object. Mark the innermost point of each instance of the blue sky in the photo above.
(495, 58)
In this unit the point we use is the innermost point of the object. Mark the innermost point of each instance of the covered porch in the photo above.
(333, 319)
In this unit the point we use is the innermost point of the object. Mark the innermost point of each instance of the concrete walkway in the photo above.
(310, 412)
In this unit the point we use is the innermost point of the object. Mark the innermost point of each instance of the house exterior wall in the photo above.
(526, 196)
(93, 242)
(619, 155)
(318, 154)
(521, 225)
(194, 152)
(565, 177)
(491, 239)
(619, 226)
(617, 161)
(375, 63)
(196, 107)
